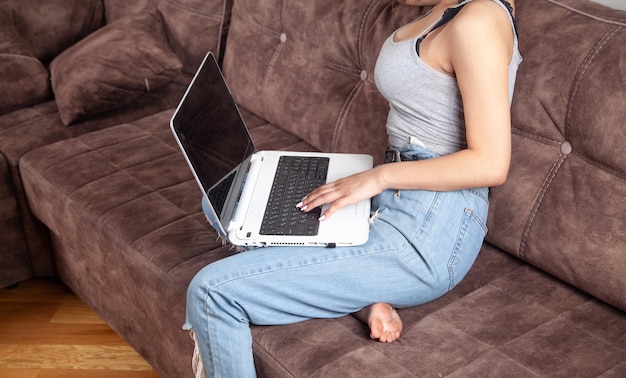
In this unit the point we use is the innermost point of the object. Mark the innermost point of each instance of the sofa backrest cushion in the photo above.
(563, 208)
(116, 9)
(307, 67)
(24, 78)
(50, 26)
(113, 66)
(195, 27)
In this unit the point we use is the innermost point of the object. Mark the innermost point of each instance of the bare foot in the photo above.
(384, 322)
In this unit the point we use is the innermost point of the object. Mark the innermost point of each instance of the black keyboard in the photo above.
(296, 177)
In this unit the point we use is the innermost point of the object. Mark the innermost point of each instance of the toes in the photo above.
(376, 331)
(389, 337)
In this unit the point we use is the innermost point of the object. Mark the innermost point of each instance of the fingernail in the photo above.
(304, 207)
(299, 205)
(323, 217)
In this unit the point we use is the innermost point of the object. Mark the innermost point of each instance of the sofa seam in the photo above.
(380, 352)
(98, 220)
(270, 355)
(536, 137)
(359, 43)
(255, 25)
(171, 221)
(342, 115)
(118, 169)
(374, 346)
(604, 340)
(582, 13)
(584, 67)
(123, 170)
(579, 77)
(545, 186)
(277, 35)
(270, 66)
(222, 37)
(523, 300)
(215, 17)
(590, 160)
(349, 99)
(433, 317)
(20, 56)
(606, 168)
(95, 221)
(500, 350)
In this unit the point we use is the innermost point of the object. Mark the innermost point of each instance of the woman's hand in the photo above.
(343, 192)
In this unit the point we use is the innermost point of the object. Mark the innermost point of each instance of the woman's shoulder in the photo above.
(485, 11)
(481, 18)
(481, 31)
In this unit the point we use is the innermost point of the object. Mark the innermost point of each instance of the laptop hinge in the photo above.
(246, 194)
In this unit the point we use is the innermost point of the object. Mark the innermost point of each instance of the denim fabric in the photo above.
(421, 244)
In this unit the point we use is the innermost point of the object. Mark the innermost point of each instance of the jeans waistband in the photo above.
(411, 152)
(416, 152)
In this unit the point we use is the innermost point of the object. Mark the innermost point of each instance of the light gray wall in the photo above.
(616, 4)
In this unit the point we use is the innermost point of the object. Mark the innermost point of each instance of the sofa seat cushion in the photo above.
(125, 219)
(35, 126)
(131, 171)
(505, 319)
(121, 173)
(24, 78)
(113, 66)
(562, 208)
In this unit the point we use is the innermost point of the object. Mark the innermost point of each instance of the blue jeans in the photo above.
(421, 244)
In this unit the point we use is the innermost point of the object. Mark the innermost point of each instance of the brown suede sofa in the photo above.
(94, 190)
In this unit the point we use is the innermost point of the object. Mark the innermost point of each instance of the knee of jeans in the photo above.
(196, 297)
(194, 287)
(207, 291)
(201, 286)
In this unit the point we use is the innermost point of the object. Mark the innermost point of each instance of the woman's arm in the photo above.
(480, 61)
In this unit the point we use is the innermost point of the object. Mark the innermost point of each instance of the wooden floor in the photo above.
(46, 331)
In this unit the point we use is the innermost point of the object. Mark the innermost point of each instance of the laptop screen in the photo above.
(211, 131)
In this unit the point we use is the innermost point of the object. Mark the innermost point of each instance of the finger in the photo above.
(321, 191)
(309, 198)
(318, 199)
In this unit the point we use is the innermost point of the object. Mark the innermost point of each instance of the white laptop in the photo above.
(237, 181)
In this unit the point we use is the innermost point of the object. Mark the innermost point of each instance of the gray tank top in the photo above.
(425, 104)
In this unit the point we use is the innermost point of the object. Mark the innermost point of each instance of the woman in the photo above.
(449, 79)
